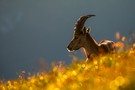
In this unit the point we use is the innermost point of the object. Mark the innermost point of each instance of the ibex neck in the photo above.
(91, 46)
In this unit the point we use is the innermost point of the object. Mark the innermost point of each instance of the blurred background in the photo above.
(36, 31)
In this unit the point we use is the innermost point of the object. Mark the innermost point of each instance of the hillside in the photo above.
(109, 72)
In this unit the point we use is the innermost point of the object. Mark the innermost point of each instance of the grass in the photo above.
(109, 72)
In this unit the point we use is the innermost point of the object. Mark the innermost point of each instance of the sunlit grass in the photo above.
(108, 72)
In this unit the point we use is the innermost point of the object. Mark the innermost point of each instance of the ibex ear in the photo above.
(84, 30)
(87, 30)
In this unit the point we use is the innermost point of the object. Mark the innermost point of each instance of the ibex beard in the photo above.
(83, 39)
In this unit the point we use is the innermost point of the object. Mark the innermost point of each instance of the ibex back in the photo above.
(82, 39)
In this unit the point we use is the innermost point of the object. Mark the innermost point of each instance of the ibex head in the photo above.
(80, 34)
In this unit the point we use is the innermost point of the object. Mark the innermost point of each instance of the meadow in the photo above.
(108, 72)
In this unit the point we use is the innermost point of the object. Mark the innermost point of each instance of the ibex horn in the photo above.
(80, 23)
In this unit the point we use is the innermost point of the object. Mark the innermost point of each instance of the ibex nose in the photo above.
(69, 48)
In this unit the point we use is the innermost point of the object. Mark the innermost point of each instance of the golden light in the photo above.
(119, 44)
(117, 35)
(123, 38)
(74, 73)
(115, 84)
(41, 77)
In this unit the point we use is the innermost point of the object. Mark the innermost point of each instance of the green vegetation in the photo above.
(109, 72)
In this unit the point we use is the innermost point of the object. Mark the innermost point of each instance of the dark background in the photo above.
(36, 30)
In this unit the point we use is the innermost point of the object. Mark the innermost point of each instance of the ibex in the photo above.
(82, 39)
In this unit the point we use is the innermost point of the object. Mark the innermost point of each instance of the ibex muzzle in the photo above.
(82, 38)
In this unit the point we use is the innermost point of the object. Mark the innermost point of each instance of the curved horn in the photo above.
(80, 23)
